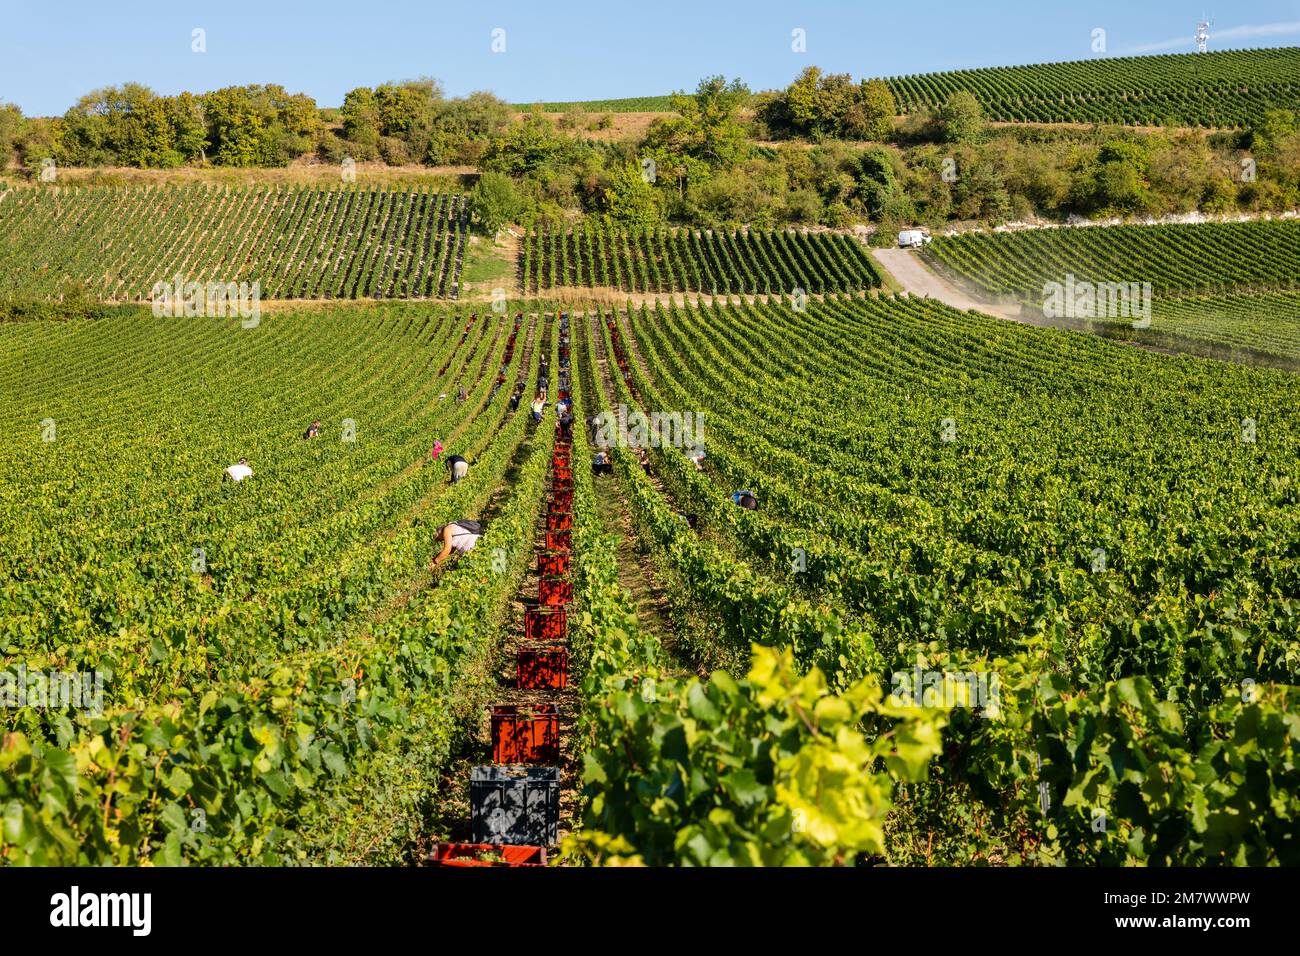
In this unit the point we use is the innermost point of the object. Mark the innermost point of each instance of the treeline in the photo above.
(822, 106)
(825, 151)
(130, 125)
(710, 164)
(255, 126)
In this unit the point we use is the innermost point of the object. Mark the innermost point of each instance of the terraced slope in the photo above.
(297, 243)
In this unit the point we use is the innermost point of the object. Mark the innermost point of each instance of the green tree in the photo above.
(961, 119)
(494, 201)
(11, 124)
(528, 146)
(801, 102)
(707, 127)
(630, 198)
(361, 124)
(189, 128)
(88, 133)
(1272, 129)
(259, 125)
(877, 181)
(872, 116)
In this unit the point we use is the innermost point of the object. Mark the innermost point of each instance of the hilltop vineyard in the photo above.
(1223, 89)
(298, 243)
(629, 104)
(713, 262)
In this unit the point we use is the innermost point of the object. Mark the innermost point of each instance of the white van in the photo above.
(913, 239)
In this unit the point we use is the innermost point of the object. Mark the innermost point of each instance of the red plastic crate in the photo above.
(562, 500)
(525, 735)
(562, 484)
(559, 541)
(564, 473)
(486, 854)
(546, 624)
(559, 521)
(542, 668)
(555, 565)
(554, 592)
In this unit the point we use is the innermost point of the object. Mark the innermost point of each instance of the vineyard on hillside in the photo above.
(1226, 289)
(958, 494)
(715, 262)
(1261, 329)
(629, 104)
(1206, 259)
(1222, 89)
(298, 243)
(277, 644)
(940, 491)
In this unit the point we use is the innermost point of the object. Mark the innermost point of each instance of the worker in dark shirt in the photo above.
(458, 467)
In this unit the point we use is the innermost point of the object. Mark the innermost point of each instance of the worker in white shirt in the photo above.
(238, 472)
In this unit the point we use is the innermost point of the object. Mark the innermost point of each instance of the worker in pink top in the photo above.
(436, 450)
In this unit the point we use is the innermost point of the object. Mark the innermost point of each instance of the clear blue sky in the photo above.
(53, 52)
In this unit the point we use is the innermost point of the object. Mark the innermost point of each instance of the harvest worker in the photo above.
(696, 455)
(436, 450)
(566, 424)
(313, 430)
(238, 472)
(459, 537)
(745, 499)
(601, 465)
(538, 406)
(458, 467)
(462, 396)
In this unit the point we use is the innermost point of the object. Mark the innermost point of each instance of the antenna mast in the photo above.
(1203, 34)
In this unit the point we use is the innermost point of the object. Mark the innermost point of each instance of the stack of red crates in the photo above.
(530, 734)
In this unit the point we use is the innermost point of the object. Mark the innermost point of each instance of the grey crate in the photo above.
(515, 804)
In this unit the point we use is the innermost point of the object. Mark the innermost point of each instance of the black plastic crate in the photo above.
(515, 804)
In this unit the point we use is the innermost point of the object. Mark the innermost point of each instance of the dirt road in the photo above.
(919, 279)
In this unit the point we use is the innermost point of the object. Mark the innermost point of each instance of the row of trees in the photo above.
(413, 122)
(130, 125)
(707, 163)
(825, 106)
